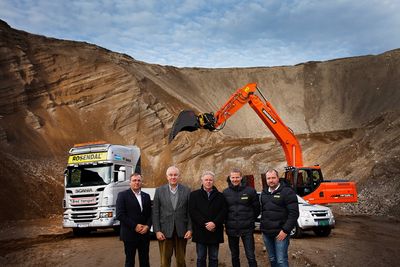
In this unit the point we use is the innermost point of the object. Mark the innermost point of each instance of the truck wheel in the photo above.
(117, 229)
(81, 231)
(322, 231)
(296, 232)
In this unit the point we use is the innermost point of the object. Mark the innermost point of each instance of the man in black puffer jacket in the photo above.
(279, 213)
(243, 209)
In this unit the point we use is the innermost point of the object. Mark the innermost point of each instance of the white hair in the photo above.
(208, 173)
(173, 167)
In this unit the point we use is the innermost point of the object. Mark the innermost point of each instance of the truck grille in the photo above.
(319, 213)
(83, 217)
(84, 207)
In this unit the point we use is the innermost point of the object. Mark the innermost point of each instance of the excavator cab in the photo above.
(306, 180)
(308, 183)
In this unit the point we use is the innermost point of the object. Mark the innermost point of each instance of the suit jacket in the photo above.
(130, 214)
(165, 218)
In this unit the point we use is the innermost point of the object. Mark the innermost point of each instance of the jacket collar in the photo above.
(212, 192)
(279, 189)
(239, 187)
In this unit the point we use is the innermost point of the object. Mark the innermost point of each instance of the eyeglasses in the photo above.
(136, 180)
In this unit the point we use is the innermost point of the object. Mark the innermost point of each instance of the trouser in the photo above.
(142, 246)
(173, 245)
(248, 243)
(277, 250)
(202, 250)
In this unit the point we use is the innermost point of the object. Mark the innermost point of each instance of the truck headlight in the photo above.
(330, 214)
(108, 214)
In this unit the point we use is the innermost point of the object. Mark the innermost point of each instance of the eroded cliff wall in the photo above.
(54, 93)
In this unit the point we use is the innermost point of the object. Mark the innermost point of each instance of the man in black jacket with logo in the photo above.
(243, 209)
(279, 213)
(207, 209)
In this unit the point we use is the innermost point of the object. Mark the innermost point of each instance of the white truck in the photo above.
(95, 174)
(313, 217)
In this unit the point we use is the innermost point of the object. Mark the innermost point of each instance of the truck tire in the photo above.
(322, 231)
(117, 229)
(81, 231)
(296, 232)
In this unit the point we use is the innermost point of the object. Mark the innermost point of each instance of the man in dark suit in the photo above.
(134, 213)
(171, 220)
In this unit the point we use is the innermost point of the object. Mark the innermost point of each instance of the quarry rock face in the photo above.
(54, 93)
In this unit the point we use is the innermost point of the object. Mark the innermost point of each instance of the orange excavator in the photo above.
(308, 182)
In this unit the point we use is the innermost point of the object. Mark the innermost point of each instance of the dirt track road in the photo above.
(356, 241)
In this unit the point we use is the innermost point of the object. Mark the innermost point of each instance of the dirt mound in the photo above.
(55, 93)
(31, 187)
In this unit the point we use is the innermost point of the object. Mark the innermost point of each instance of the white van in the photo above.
(313, 217)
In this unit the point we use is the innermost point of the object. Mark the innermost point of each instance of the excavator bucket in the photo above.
(186, 121)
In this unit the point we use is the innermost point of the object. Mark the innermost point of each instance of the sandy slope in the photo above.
(55, 93)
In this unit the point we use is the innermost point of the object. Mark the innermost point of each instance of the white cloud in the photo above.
(217, 33)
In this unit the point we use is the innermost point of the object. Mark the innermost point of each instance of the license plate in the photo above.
(83, 225)
(83, 201)
(323, 223)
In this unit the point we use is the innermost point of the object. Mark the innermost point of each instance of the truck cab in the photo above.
(95, 174)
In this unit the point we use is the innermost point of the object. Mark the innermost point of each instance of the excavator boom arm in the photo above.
(189, 121)
(268, 115)
(321, 192)
(234, 103)
(282, 133)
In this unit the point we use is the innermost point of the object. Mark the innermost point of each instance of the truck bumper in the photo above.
(104, 218)
(309, 223)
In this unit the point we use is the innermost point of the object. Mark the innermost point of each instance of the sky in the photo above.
(219, 33)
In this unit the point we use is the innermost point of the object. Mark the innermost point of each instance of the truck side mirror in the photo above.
(121, 174)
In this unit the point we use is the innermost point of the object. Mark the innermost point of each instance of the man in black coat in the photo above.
(134, 213)
(207, 210)
(243, 209)
(279, 213)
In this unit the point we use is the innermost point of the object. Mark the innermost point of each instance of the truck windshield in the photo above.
(88, 175)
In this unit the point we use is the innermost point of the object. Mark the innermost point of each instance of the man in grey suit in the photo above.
(171, 220)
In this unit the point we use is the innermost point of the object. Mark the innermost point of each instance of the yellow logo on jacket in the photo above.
(244, 197)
